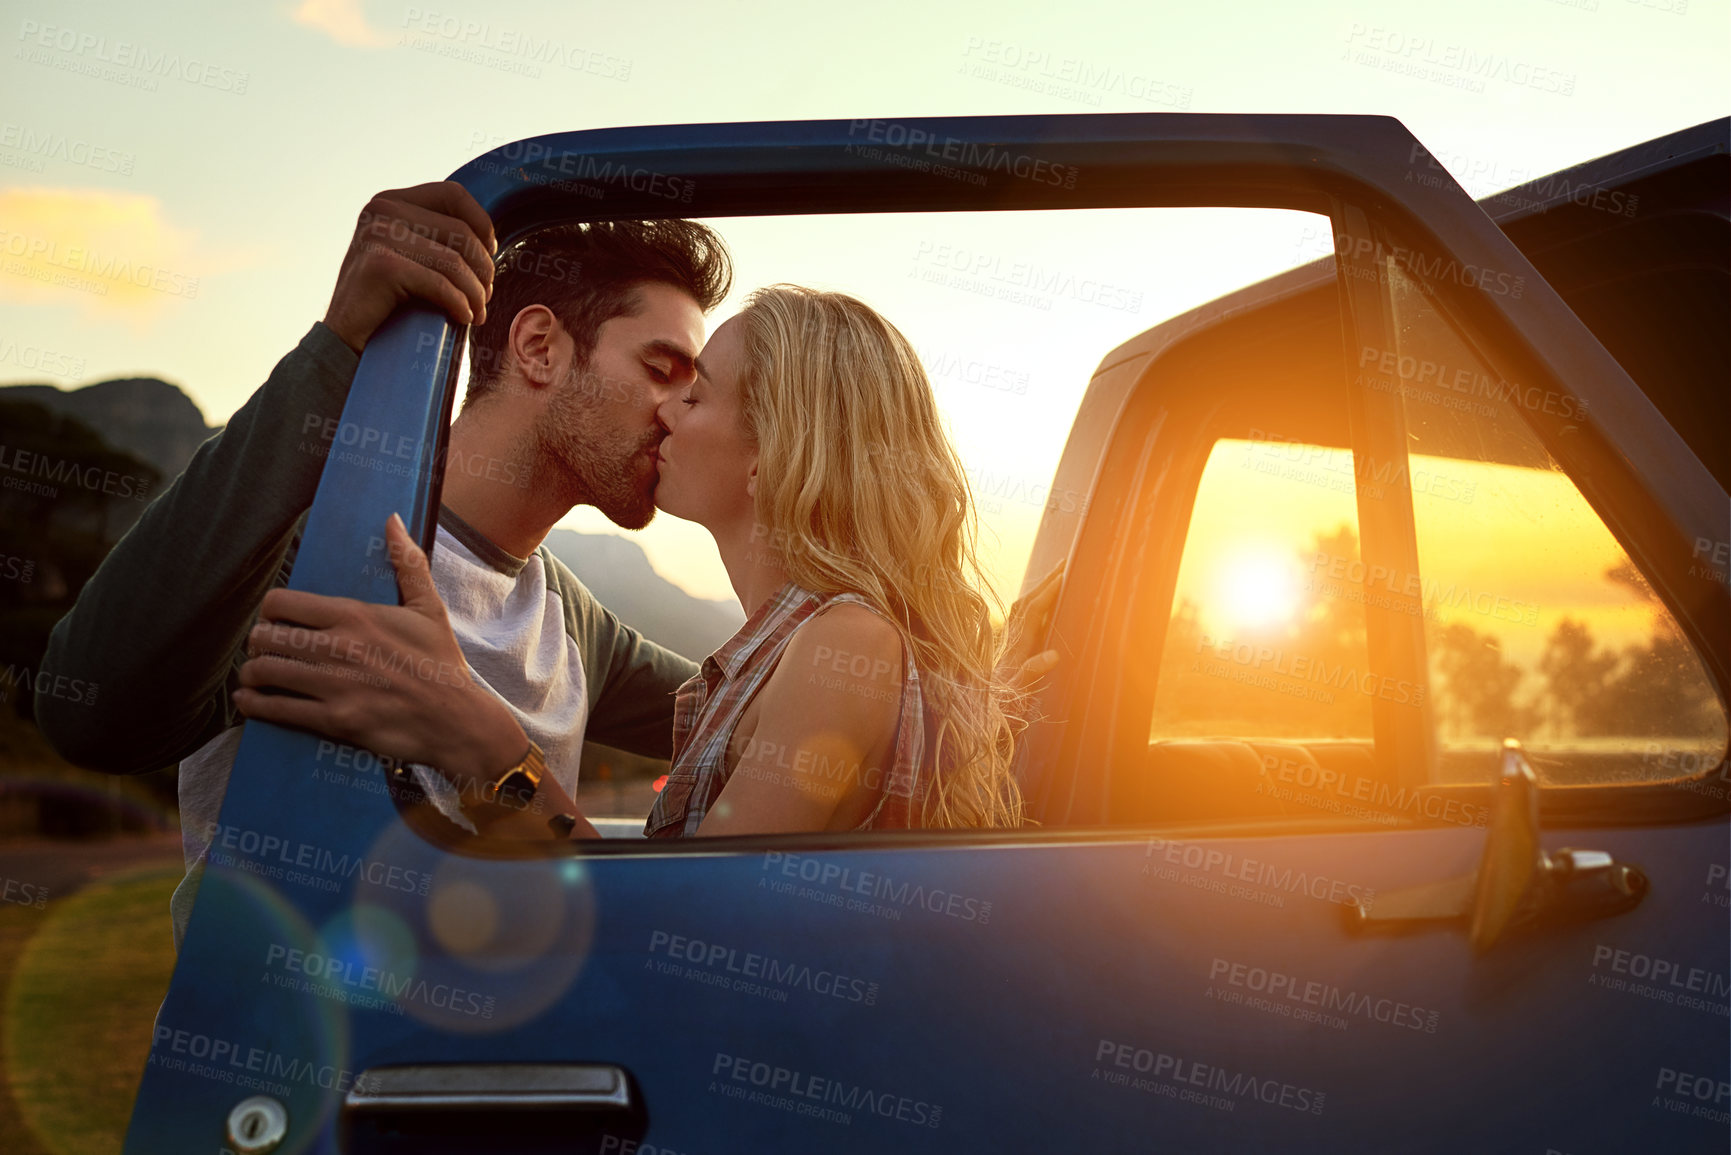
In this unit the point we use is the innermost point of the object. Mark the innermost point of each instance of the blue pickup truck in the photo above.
(1420, 862)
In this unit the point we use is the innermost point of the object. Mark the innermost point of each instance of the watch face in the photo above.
(516, 789)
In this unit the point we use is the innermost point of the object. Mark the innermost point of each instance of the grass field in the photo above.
(81, 981)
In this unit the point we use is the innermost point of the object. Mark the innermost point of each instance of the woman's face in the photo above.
(706, 463)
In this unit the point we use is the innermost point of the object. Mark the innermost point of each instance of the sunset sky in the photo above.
(238, 180)
(1251, 559)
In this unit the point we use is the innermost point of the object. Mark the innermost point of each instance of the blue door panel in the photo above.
(1030, 998)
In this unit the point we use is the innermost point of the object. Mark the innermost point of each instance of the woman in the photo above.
(862, 691)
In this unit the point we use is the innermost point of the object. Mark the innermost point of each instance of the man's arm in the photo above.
(632, 680)
(634, 711)
(158, 627)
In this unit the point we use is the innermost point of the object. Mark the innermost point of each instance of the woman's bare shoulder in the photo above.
(818, 731)
(846, 661)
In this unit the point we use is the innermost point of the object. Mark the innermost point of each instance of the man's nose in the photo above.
(665, 414)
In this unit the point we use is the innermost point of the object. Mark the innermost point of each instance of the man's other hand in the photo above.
(432, 242)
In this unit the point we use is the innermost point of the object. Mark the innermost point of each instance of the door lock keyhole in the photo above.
(257, 1125)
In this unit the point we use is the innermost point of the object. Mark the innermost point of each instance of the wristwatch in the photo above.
(515, 788)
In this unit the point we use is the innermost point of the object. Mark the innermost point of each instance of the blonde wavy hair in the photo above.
(860, 491)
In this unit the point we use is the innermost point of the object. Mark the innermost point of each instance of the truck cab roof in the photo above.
(1637, 243)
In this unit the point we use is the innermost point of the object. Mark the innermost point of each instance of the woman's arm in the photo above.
(826, 727)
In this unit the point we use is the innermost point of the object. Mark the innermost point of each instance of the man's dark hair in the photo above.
(587, 274)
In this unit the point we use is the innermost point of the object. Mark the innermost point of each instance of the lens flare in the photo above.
(494, 942)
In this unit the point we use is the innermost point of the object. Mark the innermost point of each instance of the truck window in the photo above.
(1263, 705)
(1265, 641)
(1537, 624)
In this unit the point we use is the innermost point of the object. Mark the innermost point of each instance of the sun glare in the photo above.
(1257, 586)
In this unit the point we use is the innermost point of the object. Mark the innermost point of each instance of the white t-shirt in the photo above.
(510, 624)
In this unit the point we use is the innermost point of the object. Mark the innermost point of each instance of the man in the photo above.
(579, 335)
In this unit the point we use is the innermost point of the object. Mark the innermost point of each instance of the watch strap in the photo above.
(518, 782)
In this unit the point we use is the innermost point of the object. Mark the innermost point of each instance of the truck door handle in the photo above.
(491, 1087)
(1516, 882)
(464, 1107)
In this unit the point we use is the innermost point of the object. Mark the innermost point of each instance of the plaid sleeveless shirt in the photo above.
(708, 708)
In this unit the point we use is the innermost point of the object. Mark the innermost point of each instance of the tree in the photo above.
(1576, 679)
(1479, 684)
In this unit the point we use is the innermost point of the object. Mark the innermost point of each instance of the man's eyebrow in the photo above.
(669, 349)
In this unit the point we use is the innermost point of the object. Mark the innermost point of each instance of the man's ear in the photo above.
(537, 344)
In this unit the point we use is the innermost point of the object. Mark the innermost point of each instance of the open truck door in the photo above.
(1174, 957)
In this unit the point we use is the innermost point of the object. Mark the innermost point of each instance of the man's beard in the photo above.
(605, 474)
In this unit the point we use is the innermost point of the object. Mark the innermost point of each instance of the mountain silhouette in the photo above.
(67, 496)
(144, 416)
(617, 571)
